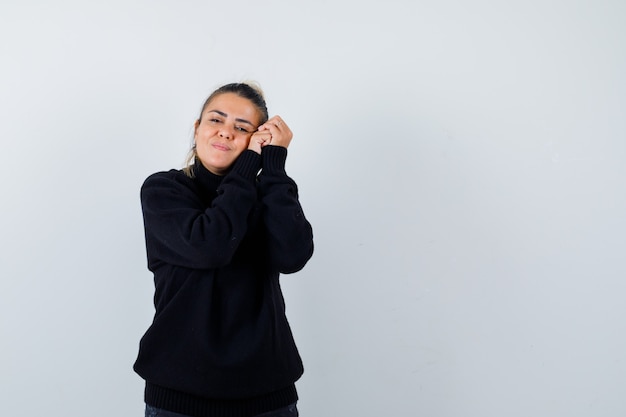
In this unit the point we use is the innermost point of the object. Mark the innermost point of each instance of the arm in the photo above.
(290, 236)
(181, 230)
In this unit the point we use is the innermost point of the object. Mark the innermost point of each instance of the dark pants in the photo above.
(289, 411)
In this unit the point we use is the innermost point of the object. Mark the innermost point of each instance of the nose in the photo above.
(226, 132)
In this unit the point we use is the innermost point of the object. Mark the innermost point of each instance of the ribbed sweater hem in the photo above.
(196, 406)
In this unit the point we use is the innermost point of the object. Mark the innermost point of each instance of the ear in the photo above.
(195, 128)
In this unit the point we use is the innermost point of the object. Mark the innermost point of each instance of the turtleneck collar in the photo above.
(206, 178)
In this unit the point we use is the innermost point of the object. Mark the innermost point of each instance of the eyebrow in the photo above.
(221, 113)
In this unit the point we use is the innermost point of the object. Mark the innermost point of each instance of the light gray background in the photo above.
(462, 163)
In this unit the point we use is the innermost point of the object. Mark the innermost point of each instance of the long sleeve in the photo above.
(220, 342)
(182, 231)
(290, 236)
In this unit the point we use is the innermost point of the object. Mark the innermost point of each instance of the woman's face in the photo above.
(223, 133)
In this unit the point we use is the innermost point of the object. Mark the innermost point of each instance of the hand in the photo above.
(258, 140)
(279, 132)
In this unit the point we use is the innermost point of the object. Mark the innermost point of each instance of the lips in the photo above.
(220, 147)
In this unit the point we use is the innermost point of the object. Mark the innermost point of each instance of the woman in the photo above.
(218, 233)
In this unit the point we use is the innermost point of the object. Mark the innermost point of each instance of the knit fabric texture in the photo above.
(220, 344)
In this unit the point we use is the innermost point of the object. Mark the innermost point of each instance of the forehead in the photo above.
(233, 105)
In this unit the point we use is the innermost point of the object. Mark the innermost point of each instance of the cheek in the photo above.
(243, 141)
(204, 132)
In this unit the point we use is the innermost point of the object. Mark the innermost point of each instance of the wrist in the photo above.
(274, 158)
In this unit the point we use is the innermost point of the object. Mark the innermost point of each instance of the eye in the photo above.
(242, 129)
(214, 120)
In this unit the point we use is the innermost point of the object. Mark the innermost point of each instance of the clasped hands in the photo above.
(273, 132)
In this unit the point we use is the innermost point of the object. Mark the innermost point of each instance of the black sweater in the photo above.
(220, 343)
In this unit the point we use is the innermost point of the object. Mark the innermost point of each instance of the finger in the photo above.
(263, 134)
(276, 121)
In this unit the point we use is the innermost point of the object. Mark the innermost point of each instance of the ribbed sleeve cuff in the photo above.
(248, 164)
(274, 158)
